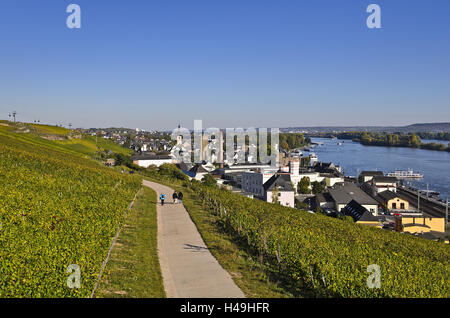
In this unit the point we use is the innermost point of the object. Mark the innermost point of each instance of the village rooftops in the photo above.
(348, 191)
(250, 166)
(359, 213)
(306, 171)
(383, 179)
(185, 166)
(198, 169)
(385, 196)
(369, 189)
(327, 167)
(324, 166)
(282, 182)
(324, 197)
(372, 173)
(150, 157)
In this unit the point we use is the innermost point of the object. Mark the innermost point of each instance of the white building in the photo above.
(344, 194)
(253, 181)
(297, 175)
(383, 183)
(313, 159)
(147, 160)
(367, 176)
(280, 185)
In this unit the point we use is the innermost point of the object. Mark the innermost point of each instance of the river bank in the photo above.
(354, 157)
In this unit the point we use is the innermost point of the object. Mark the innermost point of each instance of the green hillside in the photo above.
(313, 255)
(328, 257)
(57, 208)
(61, 138)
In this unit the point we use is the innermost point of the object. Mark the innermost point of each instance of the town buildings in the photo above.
(347, 192)
(278, 189)
(147, 160)
(383, 183)
(392, 202)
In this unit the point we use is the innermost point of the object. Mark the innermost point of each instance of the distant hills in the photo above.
(420, 127)
(433, 127)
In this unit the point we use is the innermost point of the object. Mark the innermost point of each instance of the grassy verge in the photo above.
(133, 269)
(253, 278)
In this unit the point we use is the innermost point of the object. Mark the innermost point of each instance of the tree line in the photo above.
(410, 140)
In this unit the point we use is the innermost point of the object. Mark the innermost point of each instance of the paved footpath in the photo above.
(188, 268)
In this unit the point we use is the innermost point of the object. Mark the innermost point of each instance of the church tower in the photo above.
(179, 136)
(220, 149)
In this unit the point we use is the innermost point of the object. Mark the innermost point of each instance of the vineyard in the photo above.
(327, 257)
(56, 209)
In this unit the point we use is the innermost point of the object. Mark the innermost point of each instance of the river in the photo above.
(354, 158)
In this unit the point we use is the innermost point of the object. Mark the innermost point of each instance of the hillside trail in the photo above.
(188, 268)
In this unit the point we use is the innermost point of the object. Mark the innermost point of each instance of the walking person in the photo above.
(175, 197)
(162, 197)
(180, 197)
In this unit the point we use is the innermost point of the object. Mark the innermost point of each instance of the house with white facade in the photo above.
(382, 183)
(367, 176)
(278, 189)
(345, 193)
(151, 159)
(328, 179)
(253, 181)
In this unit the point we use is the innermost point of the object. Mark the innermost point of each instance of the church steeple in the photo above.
(179, 137)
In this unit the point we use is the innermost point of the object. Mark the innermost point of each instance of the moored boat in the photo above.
(405, 174)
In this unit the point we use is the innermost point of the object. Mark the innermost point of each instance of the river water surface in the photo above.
(354, 158)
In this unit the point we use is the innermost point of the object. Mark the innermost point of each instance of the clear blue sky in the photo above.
(278, 63)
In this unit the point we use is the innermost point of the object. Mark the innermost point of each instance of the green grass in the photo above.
(108, 144)
(133, 269)
(56, 209)
(34, 140)
(252, 277)
(48, 129)
(87, 145)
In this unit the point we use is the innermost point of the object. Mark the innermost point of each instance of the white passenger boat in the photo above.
(405, 174)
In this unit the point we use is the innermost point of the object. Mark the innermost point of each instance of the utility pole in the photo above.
(418, 201)
(14, 113)
(446, 211)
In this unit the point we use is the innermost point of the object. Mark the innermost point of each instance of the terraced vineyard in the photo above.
(326, 257)
(56, 209)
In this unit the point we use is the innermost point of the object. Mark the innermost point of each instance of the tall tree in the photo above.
(303, 185)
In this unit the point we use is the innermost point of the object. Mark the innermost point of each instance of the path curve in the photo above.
(188, 268)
